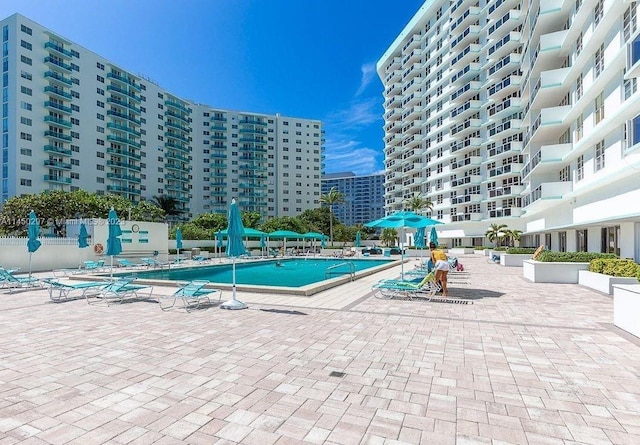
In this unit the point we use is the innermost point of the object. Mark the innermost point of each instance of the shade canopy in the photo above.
(114, 245)
(358, 239)
(178, 238)
(83, 237)
(248, 233)
(433, 236)
(403, 219)
(235, 232)
(420, 233)
(313, 235)
(288, 234)
(33, 232)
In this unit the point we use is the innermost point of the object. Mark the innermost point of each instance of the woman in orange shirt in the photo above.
(439, 258)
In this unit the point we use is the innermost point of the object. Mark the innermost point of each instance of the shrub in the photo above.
(549, 256)
(522, 250)
(480, 247)
(500, 249)
(615, 267)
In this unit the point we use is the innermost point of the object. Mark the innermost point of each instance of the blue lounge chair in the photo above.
(95, 266)
(152, 262)
(119, 290)
(192, 295)
(389, 289)
(123, 262)
(11, 282)
(61, 290)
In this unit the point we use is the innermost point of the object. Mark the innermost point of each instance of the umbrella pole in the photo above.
(234, 303)
(111, 269)
(30, 264)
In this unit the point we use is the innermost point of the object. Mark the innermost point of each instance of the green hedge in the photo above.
(522, 250)
(500, 249)
(615, 267)
(549, 256)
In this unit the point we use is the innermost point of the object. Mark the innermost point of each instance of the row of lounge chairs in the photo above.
(190, 295)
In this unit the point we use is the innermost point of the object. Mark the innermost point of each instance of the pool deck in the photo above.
(503, 361)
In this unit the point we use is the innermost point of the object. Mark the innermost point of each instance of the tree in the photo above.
(417, 203)
(494, 232)
(389, 236)
(211, 222)
(332, 197)
(169, 204)
(512, 236)
(317, 220)
(283, 223)
(250, 220)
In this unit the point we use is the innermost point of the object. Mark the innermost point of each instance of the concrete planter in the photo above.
(601, 282)
(487, 252)
(540, 272)
(626, 307)
(479, 252)
(513, 259)
(459, 251)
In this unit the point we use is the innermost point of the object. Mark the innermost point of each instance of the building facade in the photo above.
(74, 120)
(363, 196)
(524, 113)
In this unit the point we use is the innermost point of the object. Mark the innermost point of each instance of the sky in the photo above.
(312, 59)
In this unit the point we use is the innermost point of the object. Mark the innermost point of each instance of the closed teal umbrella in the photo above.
(82, 239)
(420, 240)
(322, 243)
(114, 245)
(235, 248)
(358, 239)
(33, 231)
(263, 243)
(178, 242)
(433, 236)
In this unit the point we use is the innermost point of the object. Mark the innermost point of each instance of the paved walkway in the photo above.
(504, 361)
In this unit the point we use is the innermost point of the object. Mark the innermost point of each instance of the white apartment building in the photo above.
(73, 120)
(519, 113)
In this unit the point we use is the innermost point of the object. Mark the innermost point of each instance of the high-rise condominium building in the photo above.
(519, 113)
(74, 120)
(363, 196)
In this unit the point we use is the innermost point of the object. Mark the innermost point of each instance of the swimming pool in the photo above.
(295, 275)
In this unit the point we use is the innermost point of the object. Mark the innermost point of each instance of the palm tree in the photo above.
(417, 203)
(389, 236)
(168, 204)
(333, 196)
(512, 236)
(495, 232)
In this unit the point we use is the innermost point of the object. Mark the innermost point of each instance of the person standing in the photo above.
(439, 258)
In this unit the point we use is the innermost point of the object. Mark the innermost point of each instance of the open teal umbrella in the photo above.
(235, 248)
(114, 245)
(82, 239)
(178, 242)
(402, 220)
(358, 239)
(33, 232)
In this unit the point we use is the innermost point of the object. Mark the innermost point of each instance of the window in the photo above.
(580, 168)
(26, 45)
(25, 182)
(599, 156)
(579, 44)
(25, 136)
(565, 174)
(100, 66)
(100, 78)
(100, 91)
(26, 29)
(25, 151)
(25, 59)
(579, 127)
(630, 21)
(25, 167)
(25, 75)
(579, 86)
(581, 240)
(599, 61)
(599, 106)
(598, 11)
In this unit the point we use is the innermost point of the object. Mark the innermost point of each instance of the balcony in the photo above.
(122, 189)
(57, 64)
(57, 179)
(466, 91)
(546, 195)
(59, 92)
(548, 159)
(177, 136)
(466, 56)
(252, 121)
(553, 42)
(57, 164)
(467, 36)
(509, 191)
(123, 177)
(177, 157)
(545, 124)
(512, 126)
(174, 104)
(59, 78)
(468, 162)
(505, 87)
(467, 180)
(58, 49)
(125, 153)
(507, 148)
(466, 217)
(466, 199)
(393, 115)
(119, 103)
(466, 127)
(470, 15)
(58, 135)
(545, 92)
(124, 92)
(122, 140)
(57, 107)
(509, 169)
(466, 143)
(180, 116)
(124, 116)
(504, 46)
(125, 80)
(466, 73)
(502, 213)
(57, 121)
(114, 126)
(118, 164)
(57, 150)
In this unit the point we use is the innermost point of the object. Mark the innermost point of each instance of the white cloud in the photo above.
(368, 74)
(345, 155)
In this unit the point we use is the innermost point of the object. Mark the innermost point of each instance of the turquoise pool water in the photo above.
(290, 273)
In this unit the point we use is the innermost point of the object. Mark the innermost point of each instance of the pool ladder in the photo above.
(331, 270)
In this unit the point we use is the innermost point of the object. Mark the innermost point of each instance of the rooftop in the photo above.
(502, 360)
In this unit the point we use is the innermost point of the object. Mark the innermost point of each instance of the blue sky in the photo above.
(311, 59)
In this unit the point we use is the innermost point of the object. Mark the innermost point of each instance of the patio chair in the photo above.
(11, 282)
(124, 262)
(193, 294)
(389, 289)
(200, 258)
(120, 289)
(95, 266)
(61, 290)
(152, 262)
